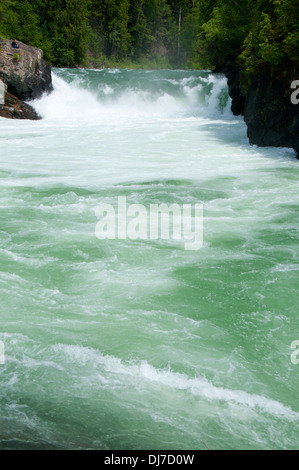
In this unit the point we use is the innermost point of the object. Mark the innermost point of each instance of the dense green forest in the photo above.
(157, 33)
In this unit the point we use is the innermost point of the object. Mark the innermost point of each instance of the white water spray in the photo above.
(195, 96)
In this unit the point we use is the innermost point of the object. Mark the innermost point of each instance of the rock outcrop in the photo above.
(272, 119)
(26, 75)
(24, 71)
(233, 73)
(14, 108)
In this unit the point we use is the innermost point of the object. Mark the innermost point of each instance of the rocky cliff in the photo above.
(26, 75)
(271, 117)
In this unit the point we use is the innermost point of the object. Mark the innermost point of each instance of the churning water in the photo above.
(140, 344)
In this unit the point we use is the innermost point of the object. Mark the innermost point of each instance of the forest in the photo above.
(157, 33)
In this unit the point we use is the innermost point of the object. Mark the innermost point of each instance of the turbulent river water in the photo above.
(142, 344)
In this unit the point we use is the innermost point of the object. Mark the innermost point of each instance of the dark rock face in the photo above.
(24, 71)
(26, 76)
(271, 118)
(17, 109)
(233, 74)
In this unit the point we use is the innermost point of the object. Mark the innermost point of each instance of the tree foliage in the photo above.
(197, 33)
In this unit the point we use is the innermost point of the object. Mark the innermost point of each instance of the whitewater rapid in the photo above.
(185, 98)
(139, 344)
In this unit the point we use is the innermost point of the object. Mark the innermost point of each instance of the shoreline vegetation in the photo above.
(199, 34)
(255, 43)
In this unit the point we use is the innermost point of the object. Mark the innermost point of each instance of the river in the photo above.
(127, 343)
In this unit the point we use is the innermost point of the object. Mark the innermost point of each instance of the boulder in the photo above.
(14, 108)
(24, 70)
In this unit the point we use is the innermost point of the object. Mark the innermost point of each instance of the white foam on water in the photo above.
(66, 103)
(72, 102)
(197, 386)
(107, 90)
(55, 271)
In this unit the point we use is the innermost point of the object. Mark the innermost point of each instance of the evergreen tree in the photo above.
(197, 33)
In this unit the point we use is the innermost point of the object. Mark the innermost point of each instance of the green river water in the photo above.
(141, 344)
